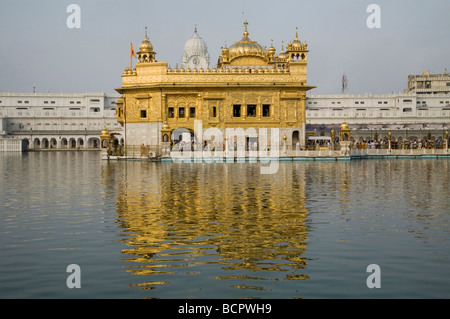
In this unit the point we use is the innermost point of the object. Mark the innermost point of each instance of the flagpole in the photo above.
(131, 56)
(125, 125)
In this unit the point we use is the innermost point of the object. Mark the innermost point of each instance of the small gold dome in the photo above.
(296, 45)
(225, 50)
(271, 49)
(104, 133)
(344, 126)
(282, 56)
(146, 46)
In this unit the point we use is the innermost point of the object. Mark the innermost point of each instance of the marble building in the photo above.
(44, 121)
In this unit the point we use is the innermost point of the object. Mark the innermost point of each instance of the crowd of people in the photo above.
(314, 145)
(380, 144)
(210, 146)
(399, 144)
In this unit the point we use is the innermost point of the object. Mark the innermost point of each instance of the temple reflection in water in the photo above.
(178, 217)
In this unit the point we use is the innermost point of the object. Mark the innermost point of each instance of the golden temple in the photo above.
(250, 87)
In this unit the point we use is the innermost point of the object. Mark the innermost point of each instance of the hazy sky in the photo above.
(38, 49)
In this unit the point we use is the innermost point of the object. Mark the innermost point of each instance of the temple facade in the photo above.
(251, 88)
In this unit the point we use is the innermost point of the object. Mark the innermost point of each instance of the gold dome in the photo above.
(271, 49)
(104, 133)
(146, 46)
(225, 50)
(246, 47)
(344, 126)
(282, 55)
(296, 45)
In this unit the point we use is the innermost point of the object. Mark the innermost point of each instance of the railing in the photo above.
(399, 152)
(373, 114)
(10, 145)
(161, 151)
(56, 132)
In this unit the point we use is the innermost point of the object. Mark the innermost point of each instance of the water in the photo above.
(167, 230)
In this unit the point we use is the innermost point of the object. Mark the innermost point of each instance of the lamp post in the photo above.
(407, 141)
(226, 145)
(389, 139)
(284, 144)
(332, 134)
(446, 140)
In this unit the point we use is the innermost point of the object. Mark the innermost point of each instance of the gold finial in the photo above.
(296, 33)
(195, 29)
(245, 28)
(146, 32)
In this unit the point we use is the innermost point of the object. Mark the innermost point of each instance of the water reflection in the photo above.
(176, 217)
(229, 227)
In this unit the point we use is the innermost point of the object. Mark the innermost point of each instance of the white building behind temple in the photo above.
(57, 120)
(427, 83)
(423, 108)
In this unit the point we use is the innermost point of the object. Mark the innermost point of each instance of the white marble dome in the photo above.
(195, 46)
(195, 53)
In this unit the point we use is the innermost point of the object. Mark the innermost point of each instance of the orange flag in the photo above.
(132, 51)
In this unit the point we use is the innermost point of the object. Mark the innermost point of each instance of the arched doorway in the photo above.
(25, 144)
(80, 143)
(64, 143)
(296, 140)
(93, 142)
(72, 143)
(181, 136)
(45, 143)
(36, 143)
(53, 143)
